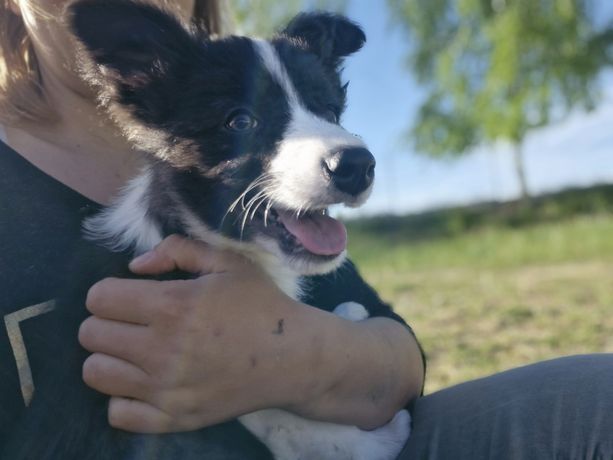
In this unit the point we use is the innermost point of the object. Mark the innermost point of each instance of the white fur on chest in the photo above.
(126, 224)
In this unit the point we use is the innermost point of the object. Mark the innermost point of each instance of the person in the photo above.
(61, 159)
(66, 160)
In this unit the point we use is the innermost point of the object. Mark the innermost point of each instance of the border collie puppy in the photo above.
(246, 153)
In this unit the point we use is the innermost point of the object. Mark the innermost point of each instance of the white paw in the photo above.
(352, 311)
(398, 429)
(386, 442)
(290, 437)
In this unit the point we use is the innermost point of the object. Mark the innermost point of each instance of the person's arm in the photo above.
(373, 368)
(180, 355)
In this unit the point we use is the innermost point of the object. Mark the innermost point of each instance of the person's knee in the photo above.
(571, 373)
(562, 406)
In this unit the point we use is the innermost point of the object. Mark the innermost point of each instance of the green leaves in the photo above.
(495, 69)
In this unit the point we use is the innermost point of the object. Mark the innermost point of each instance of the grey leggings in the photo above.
(559, 409)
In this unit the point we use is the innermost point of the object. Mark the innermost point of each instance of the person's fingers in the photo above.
(178, 253)
(114, 376)
(108, 299)
(122, 340)
(138, 416)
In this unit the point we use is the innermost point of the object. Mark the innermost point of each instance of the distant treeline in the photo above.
(452, 221)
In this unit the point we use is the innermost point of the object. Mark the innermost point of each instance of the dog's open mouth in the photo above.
(312, 233)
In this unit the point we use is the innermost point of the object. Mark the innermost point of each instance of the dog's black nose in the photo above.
(351, 170)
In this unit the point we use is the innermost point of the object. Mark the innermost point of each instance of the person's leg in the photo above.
(559, 409)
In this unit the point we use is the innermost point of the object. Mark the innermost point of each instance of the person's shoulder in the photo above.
(41, 224)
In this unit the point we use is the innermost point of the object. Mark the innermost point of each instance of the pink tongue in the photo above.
(319, 234)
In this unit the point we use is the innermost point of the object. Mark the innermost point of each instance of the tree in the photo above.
(497, 69)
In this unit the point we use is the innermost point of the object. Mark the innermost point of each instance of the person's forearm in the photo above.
(359, 373)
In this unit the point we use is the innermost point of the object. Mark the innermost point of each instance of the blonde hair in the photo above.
(21, 93)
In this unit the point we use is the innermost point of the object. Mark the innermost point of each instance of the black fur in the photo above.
(328, 36)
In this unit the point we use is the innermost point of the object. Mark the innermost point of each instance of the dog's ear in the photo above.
(330, 36)
(139, 58)
(133, 40)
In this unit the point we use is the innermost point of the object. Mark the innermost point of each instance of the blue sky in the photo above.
(383, 99)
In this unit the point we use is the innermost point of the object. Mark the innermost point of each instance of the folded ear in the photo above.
(133, 39)
(140, 58)
(329, 36)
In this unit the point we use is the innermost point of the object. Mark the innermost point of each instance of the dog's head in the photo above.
(245, 136)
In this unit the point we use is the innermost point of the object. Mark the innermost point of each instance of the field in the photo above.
(496, 286)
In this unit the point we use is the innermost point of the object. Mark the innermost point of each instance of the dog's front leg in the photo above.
(290, 437)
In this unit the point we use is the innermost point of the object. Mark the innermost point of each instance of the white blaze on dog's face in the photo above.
(248, 150)
(302, 172)
(308, 143)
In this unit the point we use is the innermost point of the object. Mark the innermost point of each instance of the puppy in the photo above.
(246, 153)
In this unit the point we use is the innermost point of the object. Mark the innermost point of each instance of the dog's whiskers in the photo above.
(256, 206)
(263, 180)
(252, 205)
(266, 211)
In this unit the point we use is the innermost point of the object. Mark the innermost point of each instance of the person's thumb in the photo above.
(178, 253)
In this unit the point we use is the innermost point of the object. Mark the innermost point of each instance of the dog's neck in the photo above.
(128, 225)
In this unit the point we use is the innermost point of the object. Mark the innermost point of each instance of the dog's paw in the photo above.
(397, 430)
(386, 442)
(290, 437)
(352, 311)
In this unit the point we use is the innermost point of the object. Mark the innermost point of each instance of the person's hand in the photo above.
(181, 355)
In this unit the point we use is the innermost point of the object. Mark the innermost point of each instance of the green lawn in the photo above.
(495, 296)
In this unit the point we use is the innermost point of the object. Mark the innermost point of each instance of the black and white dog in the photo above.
(247, 154)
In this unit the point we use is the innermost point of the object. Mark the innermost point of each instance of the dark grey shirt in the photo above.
(40, 220)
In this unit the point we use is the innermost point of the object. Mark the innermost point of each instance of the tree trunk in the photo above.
(520, 171)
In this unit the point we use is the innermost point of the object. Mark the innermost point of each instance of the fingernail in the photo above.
(142, 258)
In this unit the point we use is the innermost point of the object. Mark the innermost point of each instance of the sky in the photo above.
(384, 98)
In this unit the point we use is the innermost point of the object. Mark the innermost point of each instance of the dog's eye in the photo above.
(241, 121)
(331, 114)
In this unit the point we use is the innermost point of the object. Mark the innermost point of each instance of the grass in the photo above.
(498, 293)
